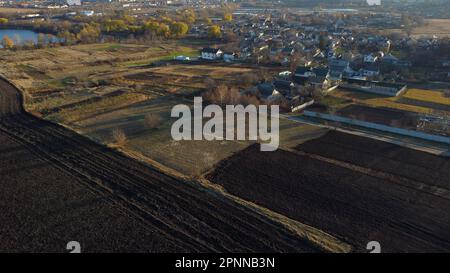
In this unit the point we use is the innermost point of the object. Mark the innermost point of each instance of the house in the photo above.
(371, 71)
(337, 69)
(303, 71)
(371, 58)
(389, 59)
(320, 71)
(209, 53)
(283, 86)
(403, 63)
(302, 74)
(73, 2)
(229, 57)
(266, 90)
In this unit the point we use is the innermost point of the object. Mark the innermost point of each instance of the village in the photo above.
(322, 56)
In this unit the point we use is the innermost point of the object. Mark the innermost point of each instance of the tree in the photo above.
(40, 40)
(229, 36)
(152, 121)
(115, 26)
(151, 26)
(7, 42)
(210, 84)
(228, 17)
(179, 29)
(163, 30)
(89, 34)
(189, 16)
(66, 37)
(214, 32)
(119, 137)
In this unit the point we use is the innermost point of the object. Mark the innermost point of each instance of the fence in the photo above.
(376, 126)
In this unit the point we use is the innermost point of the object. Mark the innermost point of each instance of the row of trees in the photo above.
(88, 30)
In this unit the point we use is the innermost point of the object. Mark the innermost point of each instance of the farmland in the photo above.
(380, 115)
(98, 88)
(80, 190)
(414, 100)
(320, 188)
(438, 27)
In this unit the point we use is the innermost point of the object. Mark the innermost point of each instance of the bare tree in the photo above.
(152, 121)
(210, 84)
(119, 137)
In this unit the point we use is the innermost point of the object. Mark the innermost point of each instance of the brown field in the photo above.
(329, 184)
(438, 27)
(380, 115)
(12, 11)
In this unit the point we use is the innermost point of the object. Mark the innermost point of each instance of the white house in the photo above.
(73, 2)
(209, 53)
(229, 57)
(371, 58)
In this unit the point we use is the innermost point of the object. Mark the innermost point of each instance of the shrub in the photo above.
(153, 121)
(119, 137)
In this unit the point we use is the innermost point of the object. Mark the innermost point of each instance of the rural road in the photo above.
(57, 186)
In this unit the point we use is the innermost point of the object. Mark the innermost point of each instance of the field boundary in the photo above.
(316, 236)
(376, 126)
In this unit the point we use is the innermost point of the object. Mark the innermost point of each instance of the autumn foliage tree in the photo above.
(214, 32)
(7, 42)
(228, 17)
(179, 29)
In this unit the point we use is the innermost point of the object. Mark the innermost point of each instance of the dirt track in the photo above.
(56, 186)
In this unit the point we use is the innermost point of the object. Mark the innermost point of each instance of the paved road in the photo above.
(57, 186)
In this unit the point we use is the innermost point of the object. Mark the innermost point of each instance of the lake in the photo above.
(21, 36)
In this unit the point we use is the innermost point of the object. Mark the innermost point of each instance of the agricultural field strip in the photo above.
(375, 155)
(414, 100)
(98, 187)
(403, 181)
(126, 209)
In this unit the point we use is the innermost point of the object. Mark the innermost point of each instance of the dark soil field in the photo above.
(431, 170)
(57, 186)
(403, 211)
(380, 115)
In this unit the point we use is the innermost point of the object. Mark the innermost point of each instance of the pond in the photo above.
(22, 36)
